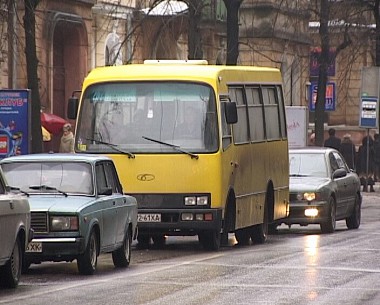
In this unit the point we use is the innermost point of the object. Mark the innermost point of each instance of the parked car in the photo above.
(15, 233)
(322, 189)
(78, 209)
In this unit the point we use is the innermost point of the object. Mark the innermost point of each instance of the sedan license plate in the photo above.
(34, 247)
(149, 217)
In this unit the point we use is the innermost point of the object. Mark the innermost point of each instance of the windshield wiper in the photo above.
(176, 147)
(298, 175)
(44, 187)
(113, 146)
(14, 188)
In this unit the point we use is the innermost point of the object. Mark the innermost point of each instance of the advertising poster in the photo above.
(297, 120)
(329, 99)
(315, 53)
(14, 122)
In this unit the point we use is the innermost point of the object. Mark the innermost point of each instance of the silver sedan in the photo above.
(322, 189)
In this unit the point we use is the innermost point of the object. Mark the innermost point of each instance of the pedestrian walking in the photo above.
(332, 141)
(365, 163)
(347, 149)
(67, 140)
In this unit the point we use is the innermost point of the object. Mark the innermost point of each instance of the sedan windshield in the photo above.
(50, 177)
(302, 165)
(148, 117)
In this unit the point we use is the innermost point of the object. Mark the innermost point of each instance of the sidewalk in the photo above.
(376, 192)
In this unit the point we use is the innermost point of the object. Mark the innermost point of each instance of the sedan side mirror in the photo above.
(105, 191)
(339, 173)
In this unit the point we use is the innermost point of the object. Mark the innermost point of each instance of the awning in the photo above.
(53, 123)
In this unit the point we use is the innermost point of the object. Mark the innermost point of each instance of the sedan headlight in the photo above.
(64, 223)
(309, 196)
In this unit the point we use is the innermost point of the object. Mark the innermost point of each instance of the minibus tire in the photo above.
(210, 240)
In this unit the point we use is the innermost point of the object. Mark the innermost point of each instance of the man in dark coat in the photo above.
(348, 151)
(332, 140)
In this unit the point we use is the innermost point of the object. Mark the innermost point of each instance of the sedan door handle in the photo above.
(11, 205)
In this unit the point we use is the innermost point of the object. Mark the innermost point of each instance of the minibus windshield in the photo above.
(127, 114)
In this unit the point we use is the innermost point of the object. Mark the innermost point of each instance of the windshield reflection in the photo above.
(50, 177)
(125, 114)
(302, 165)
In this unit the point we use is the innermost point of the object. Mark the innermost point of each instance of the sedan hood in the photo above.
(302, 184)
(58, 203)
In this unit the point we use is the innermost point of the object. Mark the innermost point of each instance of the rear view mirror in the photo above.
(230, 112)
(72, 107)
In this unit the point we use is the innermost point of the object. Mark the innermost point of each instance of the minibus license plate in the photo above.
(149, 218)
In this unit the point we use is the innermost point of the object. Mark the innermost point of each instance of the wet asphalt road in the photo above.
(296, 266)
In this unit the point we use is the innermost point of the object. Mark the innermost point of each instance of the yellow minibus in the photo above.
(203, 148)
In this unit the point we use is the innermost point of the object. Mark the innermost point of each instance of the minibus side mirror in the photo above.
(231, 113)
(72, 107)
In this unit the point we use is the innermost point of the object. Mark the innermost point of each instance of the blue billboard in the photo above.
(14, 122)
(330, 98)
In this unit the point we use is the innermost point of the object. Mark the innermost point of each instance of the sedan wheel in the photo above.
(87, 261)
(329, 225)
(159, 240)
(25, 265)
(122, 257)
(143, 241)
(10, 273)
(353, 221)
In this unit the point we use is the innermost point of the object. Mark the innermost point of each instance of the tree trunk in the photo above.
(194, 33)
(32, 75)
(232, 30)
(324, 62)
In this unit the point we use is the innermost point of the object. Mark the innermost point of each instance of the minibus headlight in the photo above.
(202, 200)
(196, 200)
(192, 200)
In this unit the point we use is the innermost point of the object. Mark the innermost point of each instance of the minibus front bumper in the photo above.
(179, 221)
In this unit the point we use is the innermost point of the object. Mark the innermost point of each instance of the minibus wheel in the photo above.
(143, 241)
(259, 233)
(210, 240)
